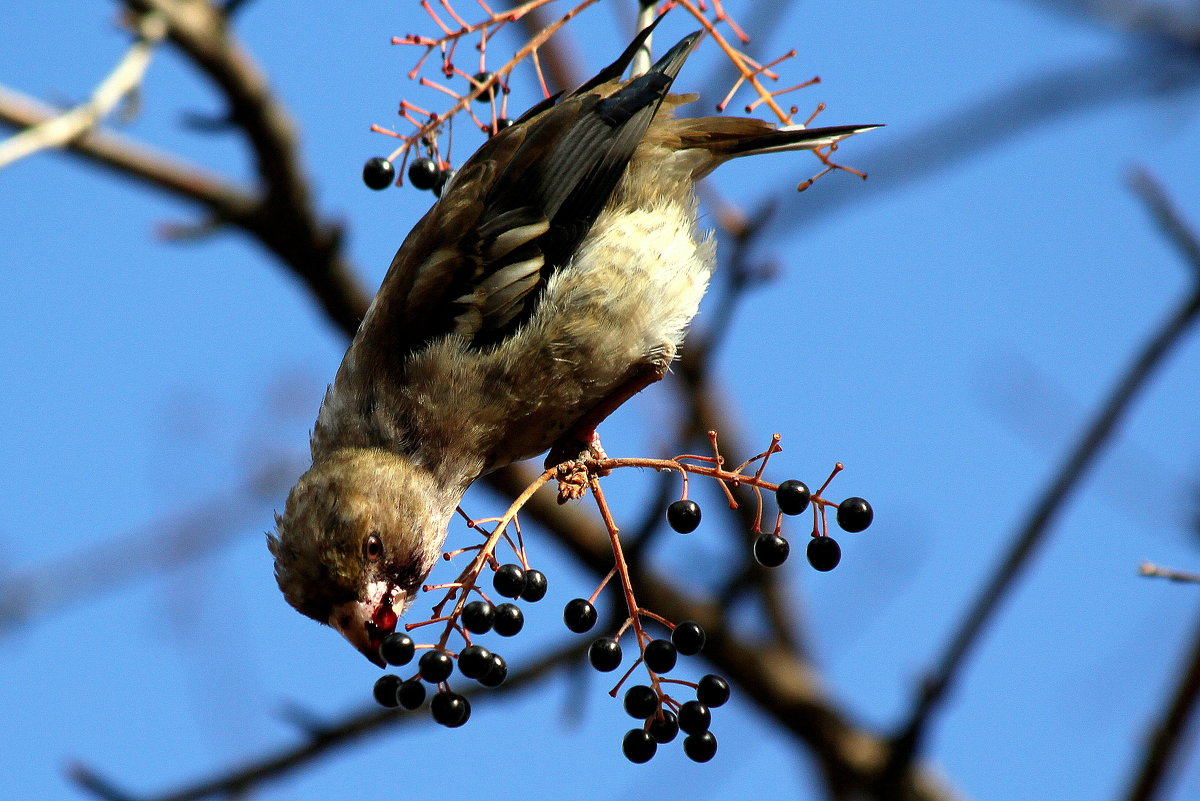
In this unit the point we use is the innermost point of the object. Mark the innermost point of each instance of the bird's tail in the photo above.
(725, 138)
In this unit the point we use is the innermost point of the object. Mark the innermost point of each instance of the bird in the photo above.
(552, 280)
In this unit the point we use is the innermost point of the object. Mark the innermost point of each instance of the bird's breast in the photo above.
(623, 301)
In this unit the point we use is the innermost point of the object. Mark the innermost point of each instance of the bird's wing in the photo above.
(476, 263)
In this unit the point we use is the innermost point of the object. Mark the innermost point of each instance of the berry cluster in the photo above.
(663, 717)
(423, 173)
(451, 38)
(793, 498)
(427, 173)
(474, 661)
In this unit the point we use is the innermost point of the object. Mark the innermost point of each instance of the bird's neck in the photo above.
(359, 411)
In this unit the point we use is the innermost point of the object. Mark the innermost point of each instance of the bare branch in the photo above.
(1170, 574)
(347, 731)
(1053, 500)
(123, 79)
(132, 159)
(1167, 737)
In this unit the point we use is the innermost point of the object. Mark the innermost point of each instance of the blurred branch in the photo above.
(555, 63)
(285, 220)
(1146, 70)
(223, 199)
(1152, 19)
(124, 79)
(1168, 218)
(1156, 571)
(1167, 737)
(279, 213)
(1055, 497)
(162, 545)
(339, 734)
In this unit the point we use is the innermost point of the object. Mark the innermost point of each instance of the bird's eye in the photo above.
(373, 548)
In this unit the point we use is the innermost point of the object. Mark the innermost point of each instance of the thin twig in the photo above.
(1157, 571)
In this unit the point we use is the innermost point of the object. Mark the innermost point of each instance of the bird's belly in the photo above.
(623, 303)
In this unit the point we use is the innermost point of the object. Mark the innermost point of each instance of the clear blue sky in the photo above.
(943, 334)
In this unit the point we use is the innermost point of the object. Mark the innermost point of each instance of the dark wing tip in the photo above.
(616, 69)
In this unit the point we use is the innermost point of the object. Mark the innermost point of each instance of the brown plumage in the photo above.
(553, 279)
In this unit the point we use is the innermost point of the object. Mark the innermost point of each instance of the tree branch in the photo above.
(1055, 497)
(1166, 738)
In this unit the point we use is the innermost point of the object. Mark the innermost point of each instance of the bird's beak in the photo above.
(365, 622)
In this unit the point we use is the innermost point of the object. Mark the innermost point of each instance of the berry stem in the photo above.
(470, 575)
(603, 584)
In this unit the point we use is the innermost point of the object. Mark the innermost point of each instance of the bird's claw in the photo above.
(575, 473)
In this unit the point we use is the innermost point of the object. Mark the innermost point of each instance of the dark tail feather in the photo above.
(616, 69)
(782, 139)
(646, 92)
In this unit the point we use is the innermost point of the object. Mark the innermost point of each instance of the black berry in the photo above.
(502, 123)
(700, 747)
(640, 701)
(855, 514)
(605, 654)
(694, 717)
(411, 694)
(397, 649)
(659, 656)
(771, 550)
(792, 497)
(638, 746)
(474, 661)
(423, 173)
(712, 690)
(497, 672)
(579, 615)
(688, 638)
(481, 77)
(535, 586)
(683, 516)
(435, 666)
(477, 617)
(378, 173)
(824, 553)
(385, 690)
(509, 581)
(509, 620)
(443, 178)
(450, 709)
(664, 730)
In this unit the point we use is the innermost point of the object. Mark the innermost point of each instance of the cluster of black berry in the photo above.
(771, 549)
(474, 661)
(663, 717)
(424, 173)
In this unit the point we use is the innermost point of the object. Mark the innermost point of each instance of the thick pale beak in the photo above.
(365, 623)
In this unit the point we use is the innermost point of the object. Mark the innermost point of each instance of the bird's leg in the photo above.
(581, 441)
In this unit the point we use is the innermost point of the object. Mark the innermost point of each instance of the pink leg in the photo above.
(581, 439)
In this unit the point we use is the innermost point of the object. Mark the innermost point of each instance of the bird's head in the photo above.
(361, 530)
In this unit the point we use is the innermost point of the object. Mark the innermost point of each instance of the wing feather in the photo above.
(476, 264)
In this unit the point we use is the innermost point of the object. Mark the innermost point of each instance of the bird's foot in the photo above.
(575, 463)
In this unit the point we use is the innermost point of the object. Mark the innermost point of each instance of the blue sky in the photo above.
(944, 331)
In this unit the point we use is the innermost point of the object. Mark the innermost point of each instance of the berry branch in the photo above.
(663, 716)
(492, 86)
